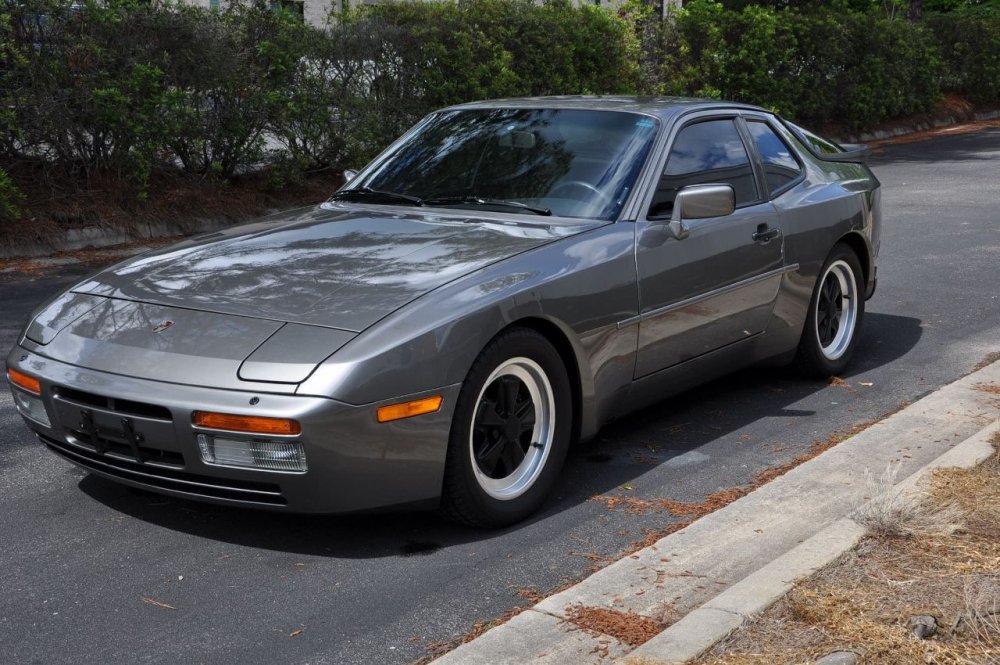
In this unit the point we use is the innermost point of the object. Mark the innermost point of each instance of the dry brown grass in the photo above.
(863, 601)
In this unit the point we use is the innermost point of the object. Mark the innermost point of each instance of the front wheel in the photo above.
(510, 432)
(833, 325)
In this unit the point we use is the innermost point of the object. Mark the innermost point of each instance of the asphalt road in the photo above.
(91, 572)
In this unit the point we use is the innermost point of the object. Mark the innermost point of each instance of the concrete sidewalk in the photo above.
(735, 562)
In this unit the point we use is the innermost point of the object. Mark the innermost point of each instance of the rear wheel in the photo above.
(833, 325)
(510, 433)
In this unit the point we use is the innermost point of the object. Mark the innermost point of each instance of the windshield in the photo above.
(574, 163)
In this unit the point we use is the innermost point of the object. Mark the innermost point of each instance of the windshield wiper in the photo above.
(475, 200)
(357, 193)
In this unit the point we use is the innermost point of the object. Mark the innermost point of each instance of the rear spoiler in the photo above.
(853, 152)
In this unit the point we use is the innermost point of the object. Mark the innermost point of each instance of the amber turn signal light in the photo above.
(417, 407)
(25, 382)
(250, 424)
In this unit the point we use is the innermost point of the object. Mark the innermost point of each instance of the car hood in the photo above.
(334, 265)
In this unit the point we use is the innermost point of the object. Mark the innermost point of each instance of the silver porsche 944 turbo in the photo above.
(501, 281)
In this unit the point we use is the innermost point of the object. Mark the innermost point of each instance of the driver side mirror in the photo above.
(349, 175)
(700, 202)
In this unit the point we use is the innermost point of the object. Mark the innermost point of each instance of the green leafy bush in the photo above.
(125, 90)
(10, 199)
(818, 65)
(969, 43)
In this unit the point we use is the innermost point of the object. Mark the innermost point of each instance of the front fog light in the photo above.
(252, 453)
(32, 408)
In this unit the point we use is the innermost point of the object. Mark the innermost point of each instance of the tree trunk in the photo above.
(916, 10)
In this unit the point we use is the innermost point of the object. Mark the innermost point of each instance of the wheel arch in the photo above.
(859, 245)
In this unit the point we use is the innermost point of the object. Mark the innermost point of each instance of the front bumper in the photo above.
(354, 462)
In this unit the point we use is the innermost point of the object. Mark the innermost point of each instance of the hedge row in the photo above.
(130, 88)
(818, 66)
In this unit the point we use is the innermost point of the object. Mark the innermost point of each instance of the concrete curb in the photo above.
(717, 619)
(74, 239)
(882, 134)
(734, 563)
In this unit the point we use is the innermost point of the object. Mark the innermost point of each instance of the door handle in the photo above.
(765, 235)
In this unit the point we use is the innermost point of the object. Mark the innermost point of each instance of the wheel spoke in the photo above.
(513, 454)
(525, 412)
(828, 291)
(509, 386)
(487, 416)
(490, 454)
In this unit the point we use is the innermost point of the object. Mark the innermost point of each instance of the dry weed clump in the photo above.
(887, 511)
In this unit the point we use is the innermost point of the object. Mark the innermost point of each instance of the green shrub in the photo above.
(893, 69)
(969, 44)
(817, 65)
(128, 88)
(84, 85)
(10, 199)
(231, 78)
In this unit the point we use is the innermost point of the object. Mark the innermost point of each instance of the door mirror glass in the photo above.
(703, 201)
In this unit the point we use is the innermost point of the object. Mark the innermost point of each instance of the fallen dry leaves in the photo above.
(987, 360)
(991, 388)
(627, 627)
(634, 505)
(156, 603)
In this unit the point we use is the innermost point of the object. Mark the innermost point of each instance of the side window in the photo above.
(780, 165)
(706, 152)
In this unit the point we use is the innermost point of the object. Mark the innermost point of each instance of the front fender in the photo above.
(584, 286)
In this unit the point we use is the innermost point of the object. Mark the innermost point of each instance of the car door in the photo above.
(715, 286)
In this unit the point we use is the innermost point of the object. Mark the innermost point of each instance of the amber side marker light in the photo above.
(250, 424)
(417, 407)
(25, 382)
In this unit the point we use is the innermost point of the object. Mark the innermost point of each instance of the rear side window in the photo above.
(780, 166)
(817, 144)
(703, 153)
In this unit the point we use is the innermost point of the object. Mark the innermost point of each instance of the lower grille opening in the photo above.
(160, 477)
(125, 406)
(116, 447)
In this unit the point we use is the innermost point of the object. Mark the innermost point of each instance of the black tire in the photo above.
(833, 324)
(485, 483)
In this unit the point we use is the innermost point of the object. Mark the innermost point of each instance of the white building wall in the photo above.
(315, 12)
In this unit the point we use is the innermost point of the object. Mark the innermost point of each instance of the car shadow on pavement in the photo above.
(656, 438)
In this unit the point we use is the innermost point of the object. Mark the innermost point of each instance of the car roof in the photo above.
(662, 107)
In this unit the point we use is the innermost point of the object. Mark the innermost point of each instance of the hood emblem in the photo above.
(163, 325)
